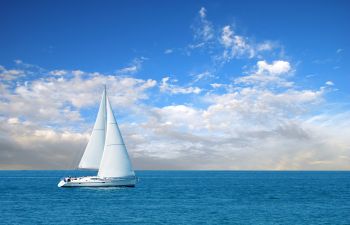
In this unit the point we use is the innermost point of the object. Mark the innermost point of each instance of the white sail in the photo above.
(94, 149)
(115, 159)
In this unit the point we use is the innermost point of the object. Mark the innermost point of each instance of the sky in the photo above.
(207, 85)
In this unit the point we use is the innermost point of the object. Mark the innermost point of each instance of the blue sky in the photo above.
(253, 73)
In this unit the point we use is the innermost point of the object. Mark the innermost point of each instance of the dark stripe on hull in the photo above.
(79, 186)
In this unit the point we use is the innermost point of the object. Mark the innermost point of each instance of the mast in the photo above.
(105, 111)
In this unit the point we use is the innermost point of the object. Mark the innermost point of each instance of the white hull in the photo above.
(97, 182)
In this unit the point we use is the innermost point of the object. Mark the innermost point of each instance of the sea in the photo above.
(180, 197)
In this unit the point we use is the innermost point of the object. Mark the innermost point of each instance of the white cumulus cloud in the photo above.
(268, 74)
(276, 68)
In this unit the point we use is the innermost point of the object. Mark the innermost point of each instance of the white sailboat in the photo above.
(106, 152)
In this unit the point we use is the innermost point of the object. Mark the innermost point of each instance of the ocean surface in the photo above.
(179, 197)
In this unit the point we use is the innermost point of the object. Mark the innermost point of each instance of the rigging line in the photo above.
(75, 160)
(70, 166)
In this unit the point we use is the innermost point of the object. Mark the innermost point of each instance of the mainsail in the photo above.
(115, 159)
(94, 149)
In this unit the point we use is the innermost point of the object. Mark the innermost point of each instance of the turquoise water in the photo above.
(179, 197)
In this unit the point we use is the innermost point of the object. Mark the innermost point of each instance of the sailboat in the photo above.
(105, 151)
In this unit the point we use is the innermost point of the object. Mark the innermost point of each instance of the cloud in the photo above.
(242, 127)
(250, 128)
(134, 66)
(28, 146)
(330, 83)
(275, 73)
(202, 13)
(165, 86)
(77, 73)
(247, 128)
(168, 51)
(238, 46)
(216, 85)
(265, 46)
(235, 45)
(203, 29)
(59, 99)
(17, 61)
(276, 68)
(58, 72)
(130, 69)
(225, 44)
(13, 120)
(12, 74)
(227, 36)
(206, 75)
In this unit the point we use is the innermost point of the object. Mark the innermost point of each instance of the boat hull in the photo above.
(97, 182)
